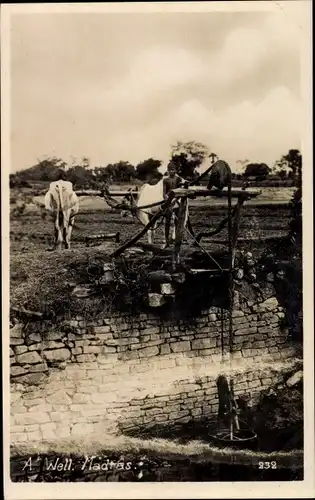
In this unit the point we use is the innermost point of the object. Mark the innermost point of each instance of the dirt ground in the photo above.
(267, 216)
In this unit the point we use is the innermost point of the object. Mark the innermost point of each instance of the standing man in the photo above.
(170, 182)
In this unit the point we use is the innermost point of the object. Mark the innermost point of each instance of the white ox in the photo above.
(149, 194)
(62, 201)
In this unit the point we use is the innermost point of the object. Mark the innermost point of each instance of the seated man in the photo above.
(170, 182)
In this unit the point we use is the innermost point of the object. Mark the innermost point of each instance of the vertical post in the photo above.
(235, 229)
(180, 227)
(230, 276)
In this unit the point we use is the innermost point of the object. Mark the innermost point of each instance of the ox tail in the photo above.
(62, 221)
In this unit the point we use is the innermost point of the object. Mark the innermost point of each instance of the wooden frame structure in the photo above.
(182, 195)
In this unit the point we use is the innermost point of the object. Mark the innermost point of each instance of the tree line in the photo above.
(187, 156)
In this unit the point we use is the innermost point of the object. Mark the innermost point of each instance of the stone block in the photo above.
(92, 349)
(81, 398)
(57, 355)
(83, 358)
(17, 370)
(108, 349)
(108, 358)
(196, 412)
(59, 336)
(60, 408)
(76, 350)
(19, 438)
(33, 338)
(165, 349)
(48, 430)
(31, 378)
(31, 418)
(250, 352)
(167, 289)
(40, 367)
(237, 313)
(18, 349)
(182, 346)
(17, 408)
(34, 436)
(16, 331)
(241, 320)
(147, 352)
(246, 331)
(42, 408)
(203, 343)
(259, 344)
(59, 397)
(82, 429)
(274, 320)
(35, 347)
(100, 330)
(156, 300)
(151, 330)
(56, 416)
(52, 344)
(273, 349)
(16, 429)
(268, 305)
(295, 379)
(16, 341)
(32, 402)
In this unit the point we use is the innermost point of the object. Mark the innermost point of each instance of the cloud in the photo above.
(111, 97)
(260, 131)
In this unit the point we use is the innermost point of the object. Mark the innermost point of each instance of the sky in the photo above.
(114, 87)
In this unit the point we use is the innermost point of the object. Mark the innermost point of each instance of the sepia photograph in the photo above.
(154, 249)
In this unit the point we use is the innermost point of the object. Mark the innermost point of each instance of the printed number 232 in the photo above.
(267, 465)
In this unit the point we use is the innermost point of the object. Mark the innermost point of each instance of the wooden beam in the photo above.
(104, 236)
(216, 193)
(179, 192)
(99, 193)
(27, 312)
(143, 231)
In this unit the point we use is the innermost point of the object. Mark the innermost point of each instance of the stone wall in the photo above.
(123, 373)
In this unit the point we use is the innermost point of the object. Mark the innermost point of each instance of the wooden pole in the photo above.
(143, 231)
(216, 193)
(235, 228)
(180, 227)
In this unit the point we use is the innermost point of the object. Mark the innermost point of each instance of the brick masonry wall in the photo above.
(123, 373)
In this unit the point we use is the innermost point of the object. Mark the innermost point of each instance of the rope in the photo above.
(202, 248)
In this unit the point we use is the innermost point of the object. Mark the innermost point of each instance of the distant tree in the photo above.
(45, 170)
(282, 174)
(80, 176)
(123, 171)
(243, 163)
(102, 174)
(148, 169)
(188, 156)
(293, 160)
(85, 162)
(258, 170)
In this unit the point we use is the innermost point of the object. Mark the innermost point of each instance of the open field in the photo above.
(267, 216)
